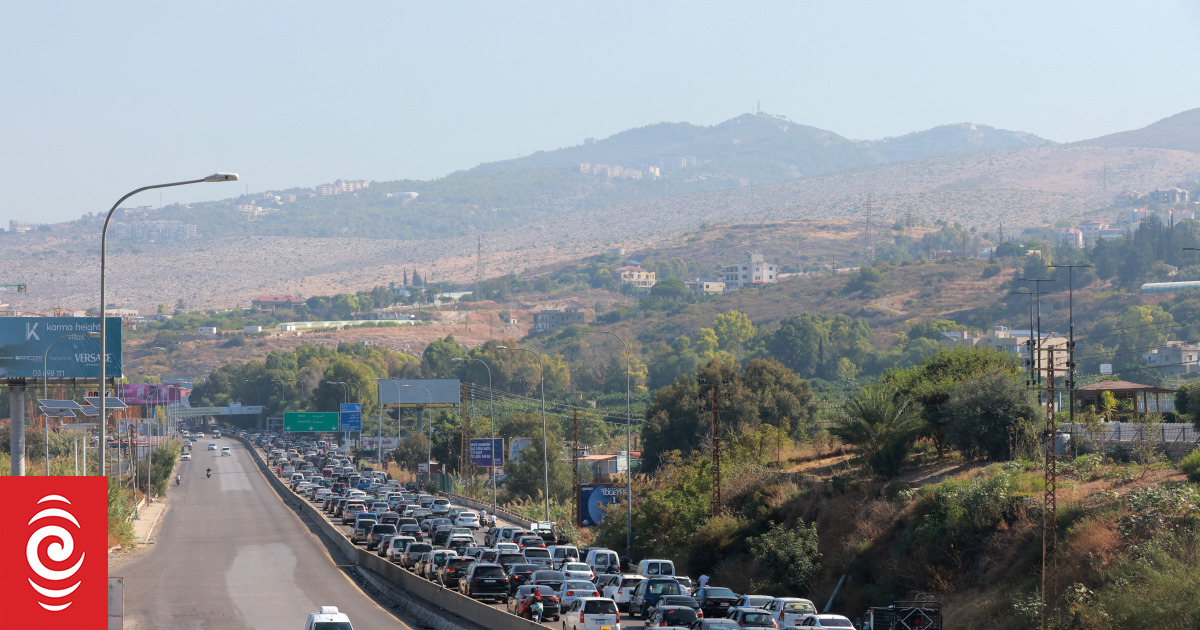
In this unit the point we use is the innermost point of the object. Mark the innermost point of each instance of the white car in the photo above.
(577, 571)
(789, 611)
(591, 613)
(186, 457)
(212, 446)
(508, 547)
(467, 519)
(574, 589)
(621, 591)
(825, 621)
(225, 452)
(396, 547)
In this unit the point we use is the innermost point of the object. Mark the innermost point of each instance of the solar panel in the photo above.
(109, 402)
(59, 404)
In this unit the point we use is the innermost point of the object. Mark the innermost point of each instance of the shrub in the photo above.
(789, 555)
(956, 509)
(1190, 465)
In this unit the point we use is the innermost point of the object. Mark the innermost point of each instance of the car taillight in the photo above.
(581, 616)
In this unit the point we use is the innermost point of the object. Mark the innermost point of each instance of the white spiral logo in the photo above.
(59, 551)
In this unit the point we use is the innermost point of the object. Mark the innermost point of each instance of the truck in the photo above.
(548, 531)
(923, 615)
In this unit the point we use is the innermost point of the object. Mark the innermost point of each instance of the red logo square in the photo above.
(54, 553)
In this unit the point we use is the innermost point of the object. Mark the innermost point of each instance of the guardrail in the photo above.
(450, 603)
(475, 504)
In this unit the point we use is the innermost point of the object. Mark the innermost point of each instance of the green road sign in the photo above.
(310, 421)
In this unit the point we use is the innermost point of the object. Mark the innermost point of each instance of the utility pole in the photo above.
(1071, 331)
(1050, 501)
(575, 467)
(714, 404)
(465, 457)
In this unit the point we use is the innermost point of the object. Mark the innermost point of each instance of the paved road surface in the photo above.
(229, 555)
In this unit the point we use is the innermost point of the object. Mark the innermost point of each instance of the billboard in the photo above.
(515, 446)
(231, 410)
(442, 392)
(389, 443)
(592, 499)
(487, 452)
(150, 393)
(27, 342)
(351, 416)
(318, 421)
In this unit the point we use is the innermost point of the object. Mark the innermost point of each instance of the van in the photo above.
(563, 553)
(328, 619)
(656, 568)
(601, 560)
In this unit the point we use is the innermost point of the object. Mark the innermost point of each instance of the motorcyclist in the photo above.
(208, 472)
(177, 480)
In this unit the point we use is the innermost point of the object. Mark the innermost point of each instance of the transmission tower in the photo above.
(1050, 499)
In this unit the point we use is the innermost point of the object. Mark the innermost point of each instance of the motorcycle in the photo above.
(177, 480)
(209, 472)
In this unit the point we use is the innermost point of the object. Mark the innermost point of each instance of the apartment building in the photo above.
(637, 276)
(751, 272)
(548, 320)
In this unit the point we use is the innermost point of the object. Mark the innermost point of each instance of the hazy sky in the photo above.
(100, 98)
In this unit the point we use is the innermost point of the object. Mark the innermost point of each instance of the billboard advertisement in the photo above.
(150, 393)
(487, 452)
(351, 416)
(431, 392)
(318, 421)
(592, 499)
(61, 344)
(389, 443)
(515, 446)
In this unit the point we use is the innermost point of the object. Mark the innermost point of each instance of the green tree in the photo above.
(993, 417)
(671, 289)
(437, 360)
(883, 425)
(733, 330)
(790, 556)
(706, 344)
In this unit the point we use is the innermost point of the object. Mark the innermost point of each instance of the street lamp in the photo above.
(46, 381)
(492, 418)
(628, 450)
(429, 453)
(346, 386)
(379, 395)
(215, 177)
(545, 448)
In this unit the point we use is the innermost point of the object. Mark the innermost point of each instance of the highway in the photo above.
(230, 555)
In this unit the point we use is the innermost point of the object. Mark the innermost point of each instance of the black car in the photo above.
(484, 580)
(715, 601)
(714, 624)
(672, 616)
(553, 579)
(551, 606)
(519, 574)
(453, 570)
(678, 601)
(378, 532)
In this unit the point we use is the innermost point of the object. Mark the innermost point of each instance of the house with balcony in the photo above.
(637, 276)
(550, 320)
(751, 272)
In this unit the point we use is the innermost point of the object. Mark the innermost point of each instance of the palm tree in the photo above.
(881, 423)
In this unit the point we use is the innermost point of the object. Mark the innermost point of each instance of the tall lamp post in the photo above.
(545, 448)
(429, 452)
(46, 382)
(628, 450)
(347, 388)
(492, 407)
(215, 177)
(379, 393)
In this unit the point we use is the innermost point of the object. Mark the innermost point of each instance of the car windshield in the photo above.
(332, 625)
(665, 588)
(575, 566)
(678, 616)
(579, 585)
(836, 623)
(489, 572)
(721, 624)
(383, 529)
(797, 608)
(719, 592)
(757, 601)
(600, 607)
(759, 618)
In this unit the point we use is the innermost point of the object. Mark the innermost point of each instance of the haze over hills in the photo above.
(545, 216)
(1181, 131)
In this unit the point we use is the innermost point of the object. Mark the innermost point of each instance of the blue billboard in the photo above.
(61, 343)
(487, 452)
(592, 499)
(351, 416)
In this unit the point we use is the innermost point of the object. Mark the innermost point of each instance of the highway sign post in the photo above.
(351, 417)
(310, 421)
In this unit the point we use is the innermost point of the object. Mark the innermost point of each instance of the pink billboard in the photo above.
(151, 393)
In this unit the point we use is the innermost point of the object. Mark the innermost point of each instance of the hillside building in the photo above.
(548, 320)
(1013, 341)
(637, 276)
(1179, 358)
(751, 272)
(1169, 196)
(276, 302)
(1071, 236)
(705, 286)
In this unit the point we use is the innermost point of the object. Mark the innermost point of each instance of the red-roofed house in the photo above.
(275, 302)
